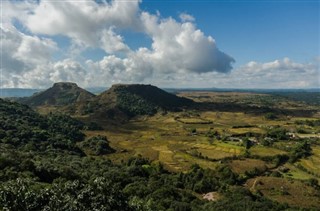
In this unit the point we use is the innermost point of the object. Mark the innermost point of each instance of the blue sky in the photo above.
(227, 44)
(253, 30)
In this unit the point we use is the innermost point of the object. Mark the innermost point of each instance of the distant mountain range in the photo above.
(240, 90)
(24, 92)
(17, 92)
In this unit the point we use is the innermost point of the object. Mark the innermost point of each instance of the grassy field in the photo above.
(296, 173)
(312, 163)
(163, 138)
(292, 192)
(241, 166)
(266, 151)
(246, 98)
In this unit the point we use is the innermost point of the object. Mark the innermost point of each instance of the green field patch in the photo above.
(186, 161)
(214, 153)
(282, 190)
(231, 119)
(246, 130)
(296, 173)
(241, 166)
(265, 151)
(146, 152)
(229, 145)
(312, 163)
(193, 120)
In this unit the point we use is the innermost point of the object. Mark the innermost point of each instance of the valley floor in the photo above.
(209, 139)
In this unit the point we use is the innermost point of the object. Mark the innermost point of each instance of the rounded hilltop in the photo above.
(61, 93)
(65, 85)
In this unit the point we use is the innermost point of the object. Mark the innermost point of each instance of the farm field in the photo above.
(293, 192)
(178, 145)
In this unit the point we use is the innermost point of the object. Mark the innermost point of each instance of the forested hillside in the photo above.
(140, 99)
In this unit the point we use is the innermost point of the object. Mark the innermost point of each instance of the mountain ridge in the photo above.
(120, 101)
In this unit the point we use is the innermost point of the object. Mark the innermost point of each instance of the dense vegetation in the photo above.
(42, 168)
(135, 105)
(97, 145)
(22, 128)
(146, 99)
(312, 98)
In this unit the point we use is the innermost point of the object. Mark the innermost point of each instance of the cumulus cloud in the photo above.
(112, 43)
(18, 10)
(181, 47)
(112, 69)
(10, 41)
(22, 53)
(281, 73)
(285, 65)
(33, 49)
(68, 70)
(84, 21)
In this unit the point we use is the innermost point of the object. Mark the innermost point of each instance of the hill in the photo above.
(60, 94)
(139, 99)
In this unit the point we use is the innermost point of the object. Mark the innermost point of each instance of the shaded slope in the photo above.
(24, 129)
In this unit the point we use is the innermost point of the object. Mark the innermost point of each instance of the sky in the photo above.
(169, 43)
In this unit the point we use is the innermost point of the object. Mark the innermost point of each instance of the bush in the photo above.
(278, 133)
(97, 145)
(271, 116)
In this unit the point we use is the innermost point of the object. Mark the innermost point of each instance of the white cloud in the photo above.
(112, 69)
(33, 49)
(186, 17)
(68, 70)
(180, 47)
(10, 41)
(18, 10)
(283, 65)
(83, 21)
(283, 73)
(176, 46)
(278, 74)
(112, 42)
(21, 54)
(180, 54)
